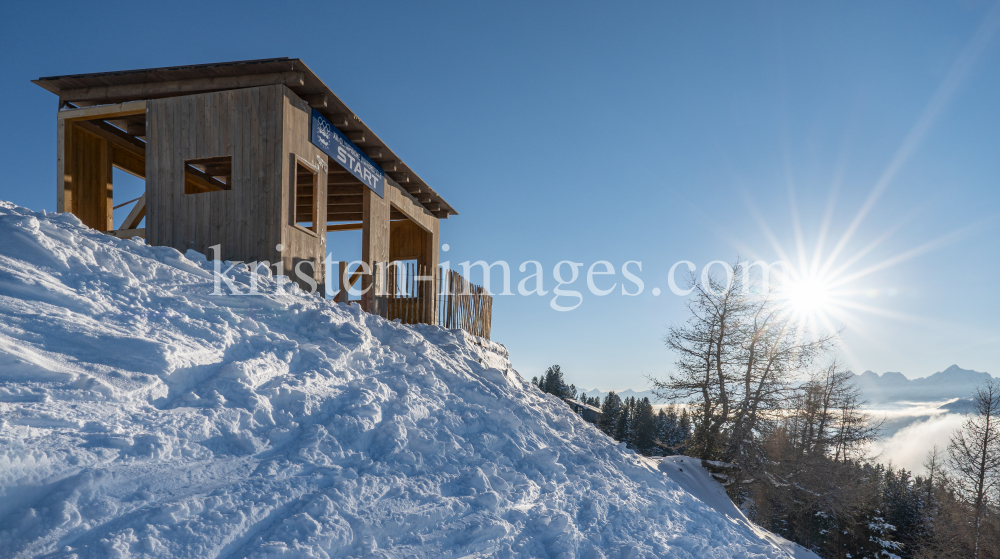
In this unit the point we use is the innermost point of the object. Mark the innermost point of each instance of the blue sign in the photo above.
(335, 144)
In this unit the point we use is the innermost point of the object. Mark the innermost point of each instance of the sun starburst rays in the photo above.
(825, 290)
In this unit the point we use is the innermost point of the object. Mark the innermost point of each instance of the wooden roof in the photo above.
(154, 83)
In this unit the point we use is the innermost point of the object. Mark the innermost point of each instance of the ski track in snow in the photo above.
(140, 415)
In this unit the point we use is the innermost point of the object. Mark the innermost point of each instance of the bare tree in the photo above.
(974, 453)
(775, 349)
(854, 429)
(707, 346)
(735, 357)
(826, 419)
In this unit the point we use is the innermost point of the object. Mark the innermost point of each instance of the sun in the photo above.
(808, 296)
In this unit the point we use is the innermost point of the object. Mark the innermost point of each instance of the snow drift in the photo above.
(140, 415)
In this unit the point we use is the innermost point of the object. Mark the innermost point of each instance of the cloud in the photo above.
(908, 447)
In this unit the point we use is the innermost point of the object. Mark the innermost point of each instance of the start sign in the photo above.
(335, 144)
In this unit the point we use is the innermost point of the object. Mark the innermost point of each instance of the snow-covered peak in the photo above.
(141, 415)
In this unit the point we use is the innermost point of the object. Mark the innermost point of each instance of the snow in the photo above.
(696, 480)
(140, 415)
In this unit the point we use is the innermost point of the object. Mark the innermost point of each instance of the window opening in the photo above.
(305, 196)
(209, 174)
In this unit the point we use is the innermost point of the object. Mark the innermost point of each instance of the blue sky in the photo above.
(653, 132)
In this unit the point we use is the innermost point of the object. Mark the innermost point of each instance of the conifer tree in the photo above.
(611, 409)
(644, 427)
(554, 383)
(623, 429)
(664, 429)
(682, 435)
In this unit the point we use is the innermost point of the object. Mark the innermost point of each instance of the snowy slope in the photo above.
(142, 416)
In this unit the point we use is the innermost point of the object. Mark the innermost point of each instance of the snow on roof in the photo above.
(141, 414)
(582, 405)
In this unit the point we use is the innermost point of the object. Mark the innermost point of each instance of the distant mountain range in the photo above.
(887, 388)
(950, 391)
(953, 382)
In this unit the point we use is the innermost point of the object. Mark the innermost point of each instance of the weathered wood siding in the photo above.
(416, 237)
(245, 220)
(301, 244)
(86, 177)
(374, 249)
(407, 241)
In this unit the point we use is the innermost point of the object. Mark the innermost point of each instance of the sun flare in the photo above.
(808, 296)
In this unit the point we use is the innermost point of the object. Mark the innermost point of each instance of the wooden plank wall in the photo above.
(374, 249)
(408, 299)
(406, 241)
(462, 304)
(245, 124)
(85, 154)
(300, 243)
(87, 189)
(408, 205)
(424, 221)
(432, 240)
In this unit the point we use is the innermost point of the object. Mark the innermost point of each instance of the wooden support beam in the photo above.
(341, 177)
(340, 120)
(343, 208)
(343, 227)
(196, 181)
(128, 161)
(135, 216)
(136, 130)
(126, 203)
(114, 136)
(342, 291)
(387, 166)
(127, 233)
(64, 166)
(316, 101)
(345, 199)
(179, 87)
(345, 190)
(107, 177)
(102, 112)
(355, 277)
(374, 153)
(401, 177)
(356, 136)
(347, 216)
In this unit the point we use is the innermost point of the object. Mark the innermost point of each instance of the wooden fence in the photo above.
(409, 296)
(464, 305)
(448, 300)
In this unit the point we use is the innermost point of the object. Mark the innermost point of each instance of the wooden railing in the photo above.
(415, 297)
(464, 305)
(409, 294)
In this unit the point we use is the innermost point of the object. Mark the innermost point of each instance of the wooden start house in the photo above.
(261, 158)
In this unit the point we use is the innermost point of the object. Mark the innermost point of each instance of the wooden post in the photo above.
(64, 177)
(108, 204)
(374, 248)
(342, 283)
